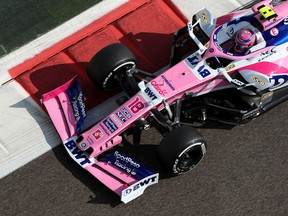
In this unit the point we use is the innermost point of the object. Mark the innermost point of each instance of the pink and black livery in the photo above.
(213, 82)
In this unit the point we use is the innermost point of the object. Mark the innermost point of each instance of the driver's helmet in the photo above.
(244, 39)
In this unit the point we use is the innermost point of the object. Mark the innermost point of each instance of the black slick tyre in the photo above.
(181, 150)
(111, 60)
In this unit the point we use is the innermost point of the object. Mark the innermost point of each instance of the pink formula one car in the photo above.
(238, 71)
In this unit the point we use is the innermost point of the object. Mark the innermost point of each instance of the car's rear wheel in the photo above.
(111, 61)
(181, 150)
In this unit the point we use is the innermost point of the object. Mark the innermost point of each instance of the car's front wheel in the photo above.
(181, 150)
(113, 60)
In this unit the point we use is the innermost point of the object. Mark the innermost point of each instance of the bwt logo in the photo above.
(193, 60)
(279, 80)
(142, 184)
(78, 155)
(203, 72)
(230, 32)
(150, 93)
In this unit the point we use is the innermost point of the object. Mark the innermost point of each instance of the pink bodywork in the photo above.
(197, 78)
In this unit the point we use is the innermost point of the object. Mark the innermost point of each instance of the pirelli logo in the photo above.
(258, 81)
(230, 67)
(204, 18)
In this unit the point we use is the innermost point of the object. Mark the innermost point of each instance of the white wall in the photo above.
(218, 8)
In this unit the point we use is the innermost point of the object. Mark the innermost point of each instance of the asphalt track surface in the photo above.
(244, 173)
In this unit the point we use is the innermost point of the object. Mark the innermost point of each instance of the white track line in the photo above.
(26, 131)
(52, 37)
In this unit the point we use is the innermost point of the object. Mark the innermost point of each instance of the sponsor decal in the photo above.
(158, 86)
(250, 114)
(110, 125)
(141, 184)
(237, 82)
(127, 164)
(97, 134)
(104, 129)
(274, 31)
(162, 92)
(90, 140)
(266, 54)
(258, 81)
(230, 31)
(270, 23)
(126, 159)
(286, 21)
(78, 107)
(168, 83)
(193, 60)
(204, 18)
(116, 120)
(80, 157)
(266, 96)
(203, 72)
(190, 26)
(77, 101)
(150, 93)
(124, 167)
(278, 80)
(230, 67)
(126, 113)
(136, 105)
(121, 116)
(83, 145)
(218, 46)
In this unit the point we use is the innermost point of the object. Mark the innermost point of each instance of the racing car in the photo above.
(236, 70)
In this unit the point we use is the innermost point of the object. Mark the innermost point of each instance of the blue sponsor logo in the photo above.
(168, 82)
(127, 164)
(78, 155)
(150, 93)
(126, 112)
(77, 101)
(121, 116)
(279, 80)
(204, 72)
(230, 32)
(110, 125)
(193, 60)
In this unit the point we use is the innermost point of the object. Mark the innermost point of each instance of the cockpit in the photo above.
(237, 38)
(248, 34)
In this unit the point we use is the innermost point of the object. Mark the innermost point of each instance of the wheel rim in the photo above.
(190, 157)
(110, 82)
